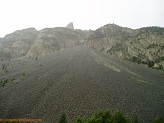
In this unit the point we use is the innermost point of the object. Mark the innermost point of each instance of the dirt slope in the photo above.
(79, 81)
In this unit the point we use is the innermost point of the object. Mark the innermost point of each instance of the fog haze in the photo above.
(85, 14)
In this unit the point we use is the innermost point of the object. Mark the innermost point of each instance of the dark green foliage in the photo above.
(118, 117)
(162, 47)
(133, 59)
(152, 45)
(4, 67)
(36, 58)
(136, 59)
(158, 120)
(79, 120)
(135, 120)
(161, 58)
(6, 71)
(63, 119)
(150, 63)
(108, 117)
(23, 74)
(104, 117)
(161, 67)
(3, 82)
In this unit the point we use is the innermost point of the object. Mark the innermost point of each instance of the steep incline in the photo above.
(17, 44)
(144, 45)
(79, 81)
(53, 39)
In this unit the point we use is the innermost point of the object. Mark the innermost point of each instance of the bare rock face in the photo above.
(70, 26)
(30, 42)
(107, 36)
(18, 43)
(54, 39)
(140, 45)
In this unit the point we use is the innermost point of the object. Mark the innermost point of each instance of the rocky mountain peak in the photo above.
(70, 26)
(22, 34)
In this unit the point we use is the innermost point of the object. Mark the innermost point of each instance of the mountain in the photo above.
(31, 43)
(54, 39)
(78, 81)
(17, 44)
(143, 46)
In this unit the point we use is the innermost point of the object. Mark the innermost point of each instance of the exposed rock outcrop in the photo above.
(105, 37)
(145, 45)
(140, 45)
(54, 39)
(17, 43)
(70, 26)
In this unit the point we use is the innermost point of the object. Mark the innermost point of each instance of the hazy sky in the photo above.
(85, 14)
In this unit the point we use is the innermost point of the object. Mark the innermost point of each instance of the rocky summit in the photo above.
(70, 26)
(143, 46)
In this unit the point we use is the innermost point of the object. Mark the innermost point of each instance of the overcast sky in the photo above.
(85, 14)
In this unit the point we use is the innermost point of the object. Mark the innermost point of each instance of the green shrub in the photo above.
(3, 82)
(63, 119)
(158, 120)
(118, 117)
(150, 63)
(136, 59)
(6, 71)
(23, 74)
(79, 120)
(104, 117)
(135, 120)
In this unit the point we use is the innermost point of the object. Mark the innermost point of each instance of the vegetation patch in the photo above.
(3, 82)
(106, 116)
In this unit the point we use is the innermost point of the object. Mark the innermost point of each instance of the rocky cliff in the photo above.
(17, 43)
(70, 26)
(105, 37)
(30, 42)
(54, 39)
(145, 45)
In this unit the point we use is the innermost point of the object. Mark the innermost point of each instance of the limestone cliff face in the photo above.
(143, 45)
(146, 46)
(54, 39)
(30, 42)
(105, 37)
(17, 43)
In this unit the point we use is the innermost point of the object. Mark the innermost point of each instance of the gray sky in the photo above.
(85, 14)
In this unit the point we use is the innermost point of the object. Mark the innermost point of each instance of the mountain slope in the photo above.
(54, 39)
(17, 44)
(145, 45)
(30, 42)
(105, 37)
(79, 81)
